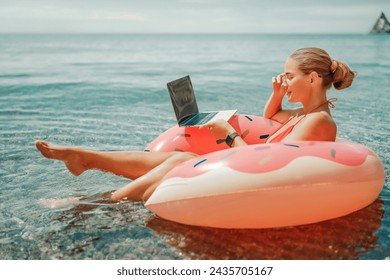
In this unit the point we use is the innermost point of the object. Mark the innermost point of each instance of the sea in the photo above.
(107, 92)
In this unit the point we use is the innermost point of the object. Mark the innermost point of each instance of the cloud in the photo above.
(190, 16)
(126, 18)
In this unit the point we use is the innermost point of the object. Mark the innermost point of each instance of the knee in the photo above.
(180, 157)
(148, 193)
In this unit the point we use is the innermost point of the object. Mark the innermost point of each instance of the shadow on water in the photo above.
(343, 238)
(99, 229)
(94, 228)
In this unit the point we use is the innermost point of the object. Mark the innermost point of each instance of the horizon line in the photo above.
(182, 33)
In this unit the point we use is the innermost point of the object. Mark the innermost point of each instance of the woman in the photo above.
(309, 73)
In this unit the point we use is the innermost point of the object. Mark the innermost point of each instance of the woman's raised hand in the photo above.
(279, 84)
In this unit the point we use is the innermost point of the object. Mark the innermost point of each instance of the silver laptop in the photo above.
(186, 109)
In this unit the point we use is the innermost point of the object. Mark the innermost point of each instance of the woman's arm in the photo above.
(220, 129)
(273, 108)
(274, 103)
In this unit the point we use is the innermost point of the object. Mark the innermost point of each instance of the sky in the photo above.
(190, 16)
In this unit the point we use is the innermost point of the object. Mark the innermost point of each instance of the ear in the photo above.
(313, 77)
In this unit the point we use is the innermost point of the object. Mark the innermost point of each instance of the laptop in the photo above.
(184, 103)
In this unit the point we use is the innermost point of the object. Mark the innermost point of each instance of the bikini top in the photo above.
(286, 128)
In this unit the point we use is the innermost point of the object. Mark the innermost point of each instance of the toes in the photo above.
(44, 144)
(41, 144)
(38, 144)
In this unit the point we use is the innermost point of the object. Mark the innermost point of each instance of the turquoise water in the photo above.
(108, 92)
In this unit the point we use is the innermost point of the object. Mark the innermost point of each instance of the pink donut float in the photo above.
(263, 185)
(253, 129)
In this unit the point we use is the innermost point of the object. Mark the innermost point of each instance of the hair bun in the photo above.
(334, 65)
(342, 75)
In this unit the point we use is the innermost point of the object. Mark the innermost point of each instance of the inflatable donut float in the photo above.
(253, 129)
(263, 185)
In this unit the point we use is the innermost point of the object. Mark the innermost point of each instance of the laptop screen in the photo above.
(183, 98)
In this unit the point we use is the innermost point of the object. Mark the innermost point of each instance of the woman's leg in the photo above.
(143, 187)
(128, 164)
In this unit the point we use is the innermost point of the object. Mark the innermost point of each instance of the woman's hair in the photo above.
(332, 71)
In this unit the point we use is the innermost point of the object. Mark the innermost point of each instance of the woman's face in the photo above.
(298, 84)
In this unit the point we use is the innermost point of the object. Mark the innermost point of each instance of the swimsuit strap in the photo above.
(329, 102)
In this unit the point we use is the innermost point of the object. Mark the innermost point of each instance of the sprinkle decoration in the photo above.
(200, 162)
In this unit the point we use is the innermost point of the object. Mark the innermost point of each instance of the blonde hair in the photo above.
(330, 70)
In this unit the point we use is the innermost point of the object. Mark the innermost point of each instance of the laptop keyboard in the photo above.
(200, 118)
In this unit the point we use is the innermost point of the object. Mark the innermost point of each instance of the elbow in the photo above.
(272, 116)
(268, 114)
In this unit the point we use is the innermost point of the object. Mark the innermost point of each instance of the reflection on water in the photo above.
(98, 229)
(342, 238)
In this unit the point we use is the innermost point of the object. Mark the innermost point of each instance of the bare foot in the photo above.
(60, 203)
(70, 156)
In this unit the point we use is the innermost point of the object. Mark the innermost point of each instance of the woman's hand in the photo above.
(273, 107)
(220, 129)
(279, 85)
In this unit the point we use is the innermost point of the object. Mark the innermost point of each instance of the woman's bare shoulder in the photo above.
(318, 126)
(322, 126)
(322, 118)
